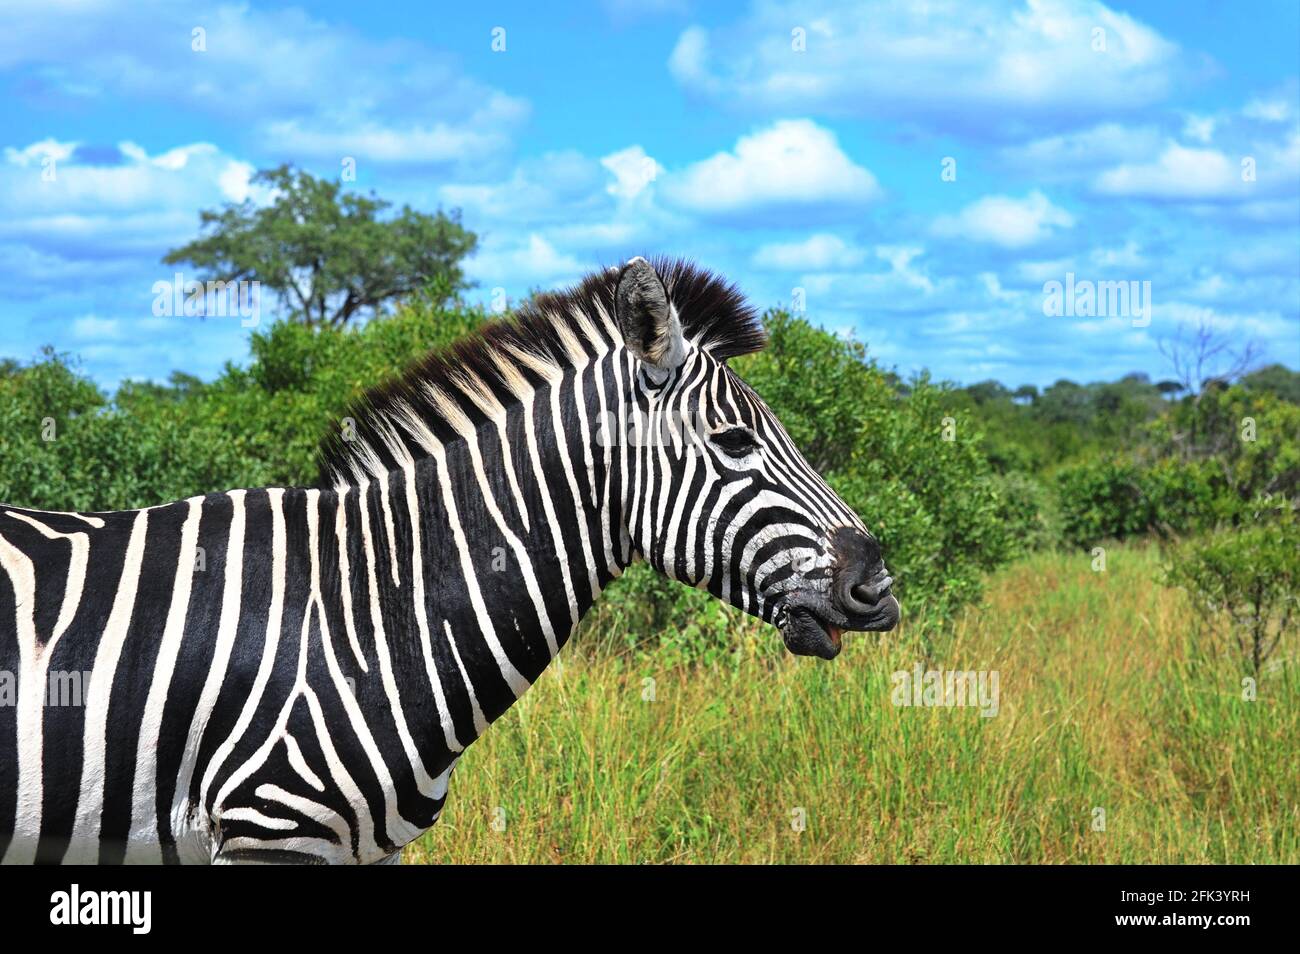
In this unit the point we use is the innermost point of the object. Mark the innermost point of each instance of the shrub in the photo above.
(1199, 467)
(251, 427)
(1031, 517)
(1245, 583)
(1102, 499)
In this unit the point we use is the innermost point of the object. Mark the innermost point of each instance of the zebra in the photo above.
(291, 674)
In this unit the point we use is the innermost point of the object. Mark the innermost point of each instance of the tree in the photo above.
(1025, 394)
(1275, 379)
(1169, 389)
(1204, 356)
(327, 254)
(986, 392)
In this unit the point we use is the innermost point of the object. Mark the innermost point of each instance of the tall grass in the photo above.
(1109, 703)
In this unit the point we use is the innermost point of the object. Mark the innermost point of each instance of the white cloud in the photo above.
(38, 153)
(633, 172)
(1179, 172)
(1199, 128)
(410, 144)
(1265, 254)
(515, 263)
(899, 287)
(1064, 155)
(315, 88)
(1273, 328)
(900, 258)
(1273, 110)
(688, 60)
(818, 252)
(1126, 256)
(235, 181)
(1006, 221)
(553, 187)
(1043, 271)
(957, 61)
(94, 328)
(137, 204)
(1175, 162)
(792, 162)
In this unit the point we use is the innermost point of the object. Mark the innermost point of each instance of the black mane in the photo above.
(538, 336)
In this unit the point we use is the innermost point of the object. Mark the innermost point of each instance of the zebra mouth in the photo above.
(813, 627)
(806, 633)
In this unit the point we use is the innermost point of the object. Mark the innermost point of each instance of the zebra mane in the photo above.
(449, 390)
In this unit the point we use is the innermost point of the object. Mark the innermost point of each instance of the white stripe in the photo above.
(305, 806)
(345, 577)
(388, 525)
(394, 823)
(31, 707)
(270, 645)
(299, 764)
(517, 683)
(76, 581)
(422, 615)
(84, 846)
(253, 817)
(227, 626)
(423, 780)
(466, 430)
(480, 723)
(96, 522)
(34, 664)
(579, 511)
(143, 846)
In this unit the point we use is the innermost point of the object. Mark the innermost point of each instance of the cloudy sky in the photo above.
(912, 173)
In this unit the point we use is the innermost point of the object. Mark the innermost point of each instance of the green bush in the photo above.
(251, 427)
(1029, 508)
(1245, 583)
(1199, 467)
(1102, 499)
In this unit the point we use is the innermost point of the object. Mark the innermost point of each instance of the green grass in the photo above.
(1109, 700)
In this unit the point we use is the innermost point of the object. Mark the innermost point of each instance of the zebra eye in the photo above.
(736, 441)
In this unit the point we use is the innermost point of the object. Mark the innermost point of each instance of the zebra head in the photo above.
(720, 497)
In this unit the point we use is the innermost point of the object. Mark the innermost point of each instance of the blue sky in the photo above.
(798, 148)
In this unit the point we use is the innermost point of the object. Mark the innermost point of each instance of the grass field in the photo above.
(1109, 701)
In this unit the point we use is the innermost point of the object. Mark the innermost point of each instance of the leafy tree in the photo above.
(1169, 389)
(1275, 379)
(987, 391)
(329, 255)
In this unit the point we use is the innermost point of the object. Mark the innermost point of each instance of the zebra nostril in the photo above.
(852, 601)
(872, 593)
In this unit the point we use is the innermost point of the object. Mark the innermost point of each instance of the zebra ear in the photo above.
(651, 329)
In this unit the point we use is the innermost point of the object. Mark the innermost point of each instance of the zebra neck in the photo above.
(472, 567)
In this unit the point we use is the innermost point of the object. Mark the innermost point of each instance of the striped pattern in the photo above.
(291, 674)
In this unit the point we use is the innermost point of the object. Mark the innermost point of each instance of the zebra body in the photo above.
(290, 674)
